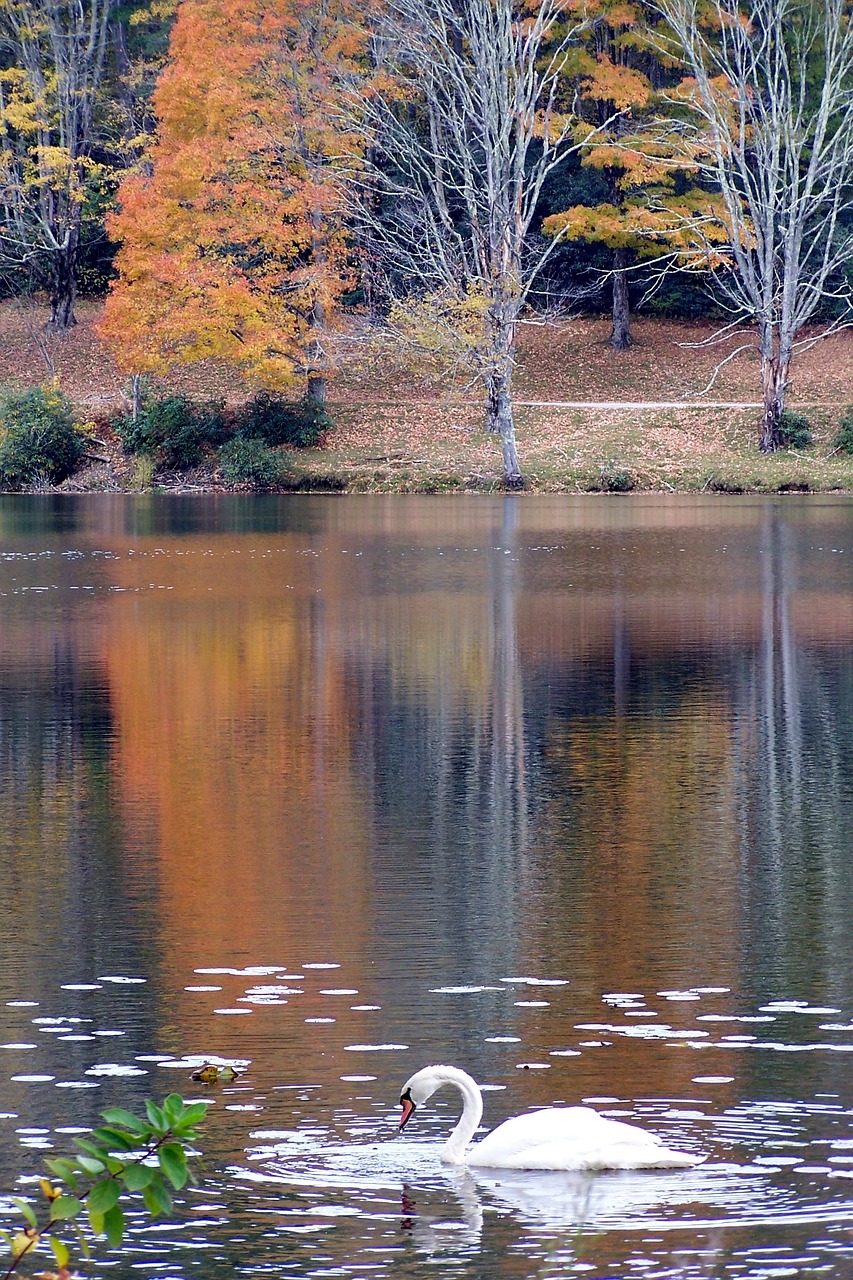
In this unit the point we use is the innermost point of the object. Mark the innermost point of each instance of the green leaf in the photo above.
(173, 1106)
(83, 1242)
(114, 1225)
(7, 1236)
(118, 1115)
(103, 1195)
(137, 1176)
(90, 1166)
(60, 1251)
(157, 1197)
(64, 1207)
(64, 1169)
(156, 1116)
(117, 1139)
(96, 1222)
(98, 1150)
(26, 1210)
(193, 1114)
(173, 1162)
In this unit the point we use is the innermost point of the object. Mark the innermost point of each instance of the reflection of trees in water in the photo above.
(73, 905)
(701, 783)
(450, 775)
(793, 738)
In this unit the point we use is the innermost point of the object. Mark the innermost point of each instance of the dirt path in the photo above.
(641, 404)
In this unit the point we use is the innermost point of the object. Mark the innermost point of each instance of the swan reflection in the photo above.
(574, 1203)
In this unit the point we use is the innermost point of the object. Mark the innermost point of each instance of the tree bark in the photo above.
(317, 388)
(620, 335)
(62, 283)
(774, 382)
(499, 419)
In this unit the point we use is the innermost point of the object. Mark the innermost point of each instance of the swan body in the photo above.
(572, 1138)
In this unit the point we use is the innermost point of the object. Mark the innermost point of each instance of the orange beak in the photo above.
(408, 1112)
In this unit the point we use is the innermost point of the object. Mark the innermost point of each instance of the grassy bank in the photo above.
(404, 429)
(570, 451)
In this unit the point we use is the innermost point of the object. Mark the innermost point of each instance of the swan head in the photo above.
(423, 1084)
(417, 1090)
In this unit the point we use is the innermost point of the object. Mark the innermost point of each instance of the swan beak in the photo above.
(408, 1111)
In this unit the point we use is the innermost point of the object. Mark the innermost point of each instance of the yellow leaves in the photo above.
(158, 11)
(603, 223)
(232, 243)
(210, 1073)
(690, 225)
(23, 1241)
(440, 329)
(621, 86)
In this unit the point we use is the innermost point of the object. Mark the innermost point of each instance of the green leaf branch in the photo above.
(125, 1154)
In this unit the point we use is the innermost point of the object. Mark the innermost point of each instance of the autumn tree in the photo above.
(769, 91)
(652, 205)
(465, 122)
(53, 56)
(231, 239)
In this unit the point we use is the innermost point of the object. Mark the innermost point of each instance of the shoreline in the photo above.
(629, 422)
(408, 447)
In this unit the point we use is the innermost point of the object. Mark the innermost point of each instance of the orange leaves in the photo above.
(232, 244)
(621, 86)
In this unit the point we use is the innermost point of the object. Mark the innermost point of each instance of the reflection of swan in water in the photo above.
(568, 1138)
(556, 1200)
(431, 1229)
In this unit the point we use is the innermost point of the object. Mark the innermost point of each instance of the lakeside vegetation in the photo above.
(398, 429)
(260, 184)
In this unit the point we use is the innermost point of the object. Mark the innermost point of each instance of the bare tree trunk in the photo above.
(774, 383)
(620, 334)
(62, 283)
(317, 388)
(500, 420)
(497, 378)
(452, 191)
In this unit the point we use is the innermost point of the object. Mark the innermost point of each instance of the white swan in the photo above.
(575, 1138)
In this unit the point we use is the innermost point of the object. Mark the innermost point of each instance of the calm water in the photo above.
(556, 790)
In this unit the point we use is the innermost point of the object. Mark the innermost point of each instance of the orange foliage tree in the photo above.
(650, 210)
(232, 242)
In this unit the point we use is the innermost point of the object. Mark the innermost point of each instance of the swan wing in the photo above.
(573, 1138)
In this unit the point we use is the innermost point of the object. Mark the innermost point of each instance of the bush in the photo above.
(843, 440)
(614, 478)
(795, 430)
(175, 430)
(275, 421)
(249, 460)
(38, 440)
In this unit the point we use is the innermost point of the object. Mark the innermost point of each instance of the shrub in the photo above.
(795, 430)
(249, 460)
(38, 440)
(843, 440)
(614, 478)
(175, 430)
(276, 421)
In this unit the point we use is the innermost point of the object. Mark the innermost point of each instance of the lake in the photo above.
(554, 789)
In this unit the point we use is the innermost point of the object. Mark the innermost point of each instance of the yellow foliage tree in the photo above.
(232, 242)
(650, 210)
(53, 56)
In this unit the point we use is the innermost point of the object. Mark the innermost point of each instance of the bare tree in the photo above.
(57, 51)
(467, 126)
(770, 96)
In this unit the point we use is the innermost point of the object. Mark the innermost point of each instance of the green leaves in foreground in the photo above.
(126, 1154)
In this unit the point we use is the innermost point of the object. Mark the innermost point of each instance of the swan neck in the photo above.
(472, 1114)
